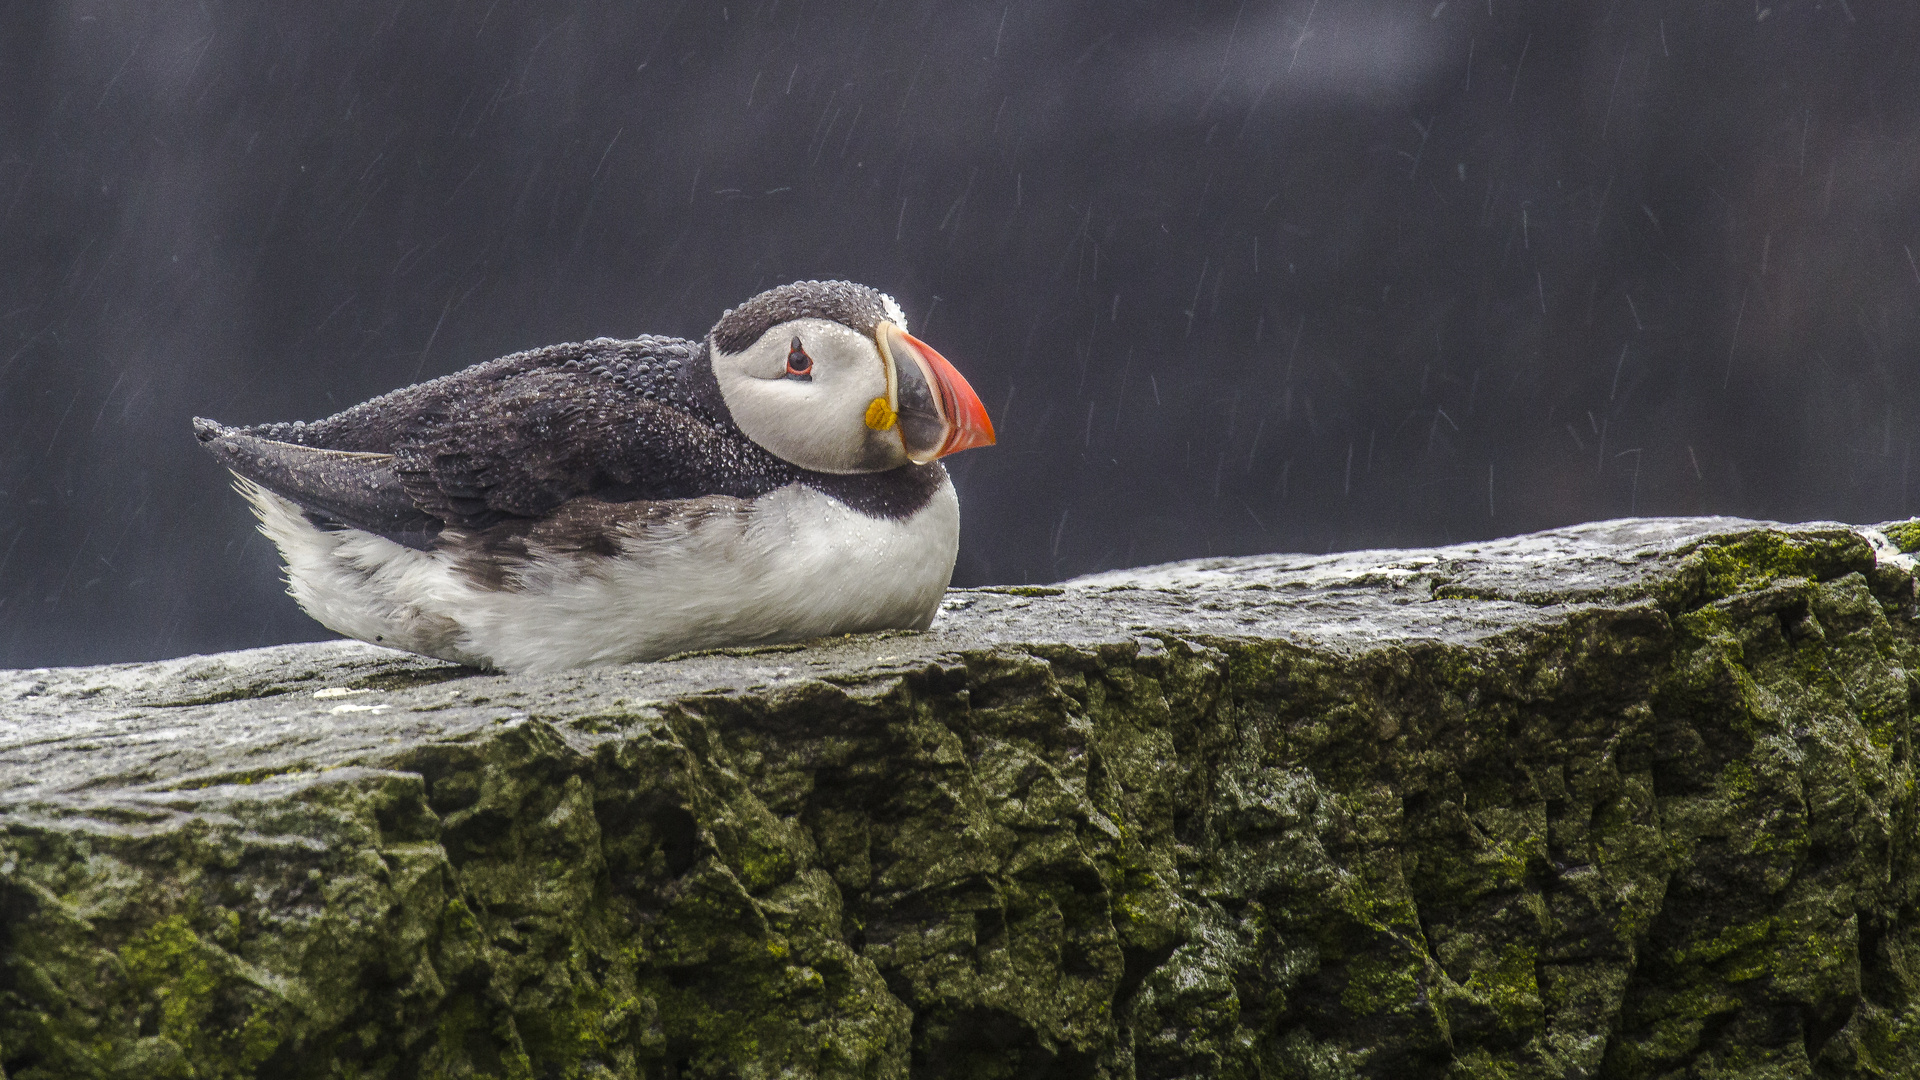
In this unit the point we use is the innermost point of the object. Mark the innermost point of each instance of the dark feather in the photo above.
(854, 306)
(339, 487)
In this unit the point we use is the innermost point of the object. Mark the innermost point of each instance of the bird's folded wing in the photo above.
(516, 448)
(537, 441)
(344, 487)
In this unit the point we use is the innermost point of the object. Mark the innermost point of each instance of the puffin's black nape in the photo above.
(852, 305)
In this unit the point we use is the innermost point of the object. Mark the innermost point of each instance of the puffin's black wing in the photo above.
(515, 437)
(543, 438)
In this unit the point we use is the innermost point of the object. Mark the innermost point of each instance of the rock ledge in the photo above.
(1633, 799)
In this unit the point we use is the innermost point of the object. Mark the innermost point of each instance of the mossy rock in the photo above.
(1635, 799)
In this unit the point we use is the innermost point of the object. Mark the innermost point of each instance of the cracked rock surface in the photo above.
(1633, 799)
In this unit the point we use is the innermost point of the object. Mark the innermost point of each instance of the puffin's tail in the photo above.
(334, 487)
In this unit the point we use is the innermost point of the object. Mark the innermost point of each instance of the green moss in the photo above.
(1724, 565)
(222, 1026)
(1376, 985)
(459, 1020)
(1481, 1064)
(1751, 562)
(1510, 988)
(1904, 534)
(1378, 905)
(1744, 947)
(169, 964)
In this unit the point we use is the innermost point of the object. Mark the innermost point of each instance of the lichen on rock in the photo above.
(1635, 799)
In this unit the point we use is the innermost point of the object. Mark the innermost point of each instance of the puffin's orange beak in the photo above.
(939, 414)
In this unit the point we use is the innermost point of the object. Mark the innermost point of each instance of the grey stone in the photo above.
(1630, 799)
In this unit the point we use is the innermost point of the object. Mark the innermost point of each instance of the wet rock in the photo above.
(1635, 799)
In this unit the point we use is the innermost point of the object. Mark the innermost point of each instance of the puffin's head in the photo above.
(823, 374)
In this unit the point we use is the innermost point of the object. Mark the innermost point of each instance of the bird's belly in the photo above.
(790, 565)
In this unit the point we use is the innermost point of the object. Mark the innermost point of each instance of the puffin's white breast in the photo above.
(789, 565)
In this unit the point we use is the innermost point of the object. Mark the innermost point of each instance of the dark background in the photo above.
(1231, 277)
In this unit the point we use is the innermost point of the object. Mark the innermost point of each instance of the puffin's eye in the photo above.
(799, 364)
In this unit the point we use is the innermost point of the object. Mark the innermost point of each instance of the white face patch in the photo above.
(818, 422)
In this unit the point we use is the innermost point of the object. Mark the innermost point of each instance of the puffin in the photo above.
(620, 500)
